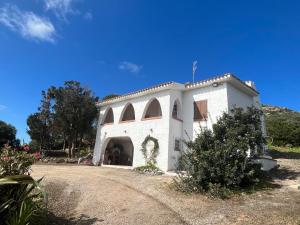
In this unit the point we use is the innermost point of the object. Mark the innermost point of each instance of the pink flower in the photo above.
(5, 158)
(26, 148)
(37, 155)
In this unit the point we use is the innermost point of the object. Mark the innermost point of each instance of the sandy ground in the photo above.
(96, 195)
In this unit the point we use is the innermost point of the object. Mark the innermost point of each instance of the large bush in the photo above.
(221, 160)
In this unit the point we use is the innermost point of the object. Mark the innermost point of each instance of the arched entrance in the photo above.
(119, 151)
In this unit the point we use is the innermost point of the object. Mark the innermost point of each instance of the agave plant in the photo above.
(21, 199)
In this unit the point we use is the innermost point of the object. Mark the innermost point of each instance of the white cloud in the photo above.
(28, 24)
(60, 7)
(131, 67)
(88, 16)
(3, 107)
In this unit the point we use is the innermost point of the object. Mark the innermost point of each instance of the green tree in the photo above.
(75, 111)
(37, 130)
(8, 135)
(110, 96)
(66, 117)
(40, 124)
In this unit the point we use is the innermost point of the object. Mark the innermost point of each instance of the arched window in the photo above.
(176, 112)
(108, 116)
(128, 113)
(153, 110)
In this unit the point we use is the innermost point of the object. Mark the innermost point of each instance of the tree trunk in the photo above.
(64, 145)
(75, 143)
(70, 148)
(73, 149)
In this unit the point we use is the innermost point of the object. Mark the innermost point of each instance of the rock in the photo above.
(60, 161)
(71, 160)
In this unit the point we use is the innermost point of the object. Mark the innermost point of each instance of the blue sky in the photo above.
(116, 46)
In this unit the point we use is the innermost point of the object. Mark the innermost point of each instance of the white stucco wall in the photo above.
(217, 103)
(176, 128)
(238, 98)
(167, 129)
(137, 130)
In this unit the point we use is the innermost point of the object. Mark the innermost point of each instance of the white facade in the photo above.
(221, 94)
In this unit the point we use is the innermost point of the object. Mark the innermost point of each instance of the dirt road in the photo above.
(96, 195)
(86, 195)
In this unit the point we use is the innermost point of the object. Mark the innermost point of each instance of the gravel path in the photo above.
(86, 195)
(96, 195)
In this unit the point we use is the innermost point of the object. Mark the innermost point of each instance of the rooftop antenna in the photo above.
(194, 69)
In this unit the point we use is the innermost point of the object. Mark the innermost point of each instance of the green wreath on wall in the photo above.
(150, 157)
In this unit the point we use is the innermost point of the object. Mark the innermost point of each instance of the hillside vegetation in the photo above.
(283, 125)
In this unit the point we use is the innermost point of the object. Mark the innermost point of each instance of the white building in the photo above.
(169, 112)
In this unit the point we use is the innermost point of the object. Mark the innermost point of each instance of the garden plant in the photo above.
(150, 154)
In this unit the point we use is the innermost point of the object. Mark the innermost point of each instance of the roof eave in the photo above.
(167, 86)
(225, 78)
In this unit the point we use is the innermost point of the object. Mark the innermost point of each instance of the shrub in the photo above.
(219, 161)
(20, 194)
(150, 156)
(149, 169)
(84, 152)
(16, 161)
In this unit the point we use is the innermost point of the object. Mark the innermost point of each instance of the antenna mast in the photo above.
(194, 69)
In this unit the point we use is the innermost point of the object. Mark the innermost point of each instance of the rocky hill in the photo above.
(283, 125)
(276, 110)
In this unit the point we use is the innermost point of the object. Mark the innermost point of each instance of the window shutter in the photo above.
(203, 109)
(200, 110)
(197, 114)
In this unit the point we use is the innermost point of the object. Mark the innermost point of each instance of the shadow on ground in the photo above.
(269, 180)
(284, 174)
(62, 196)
(81, 220)
(276, 154)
